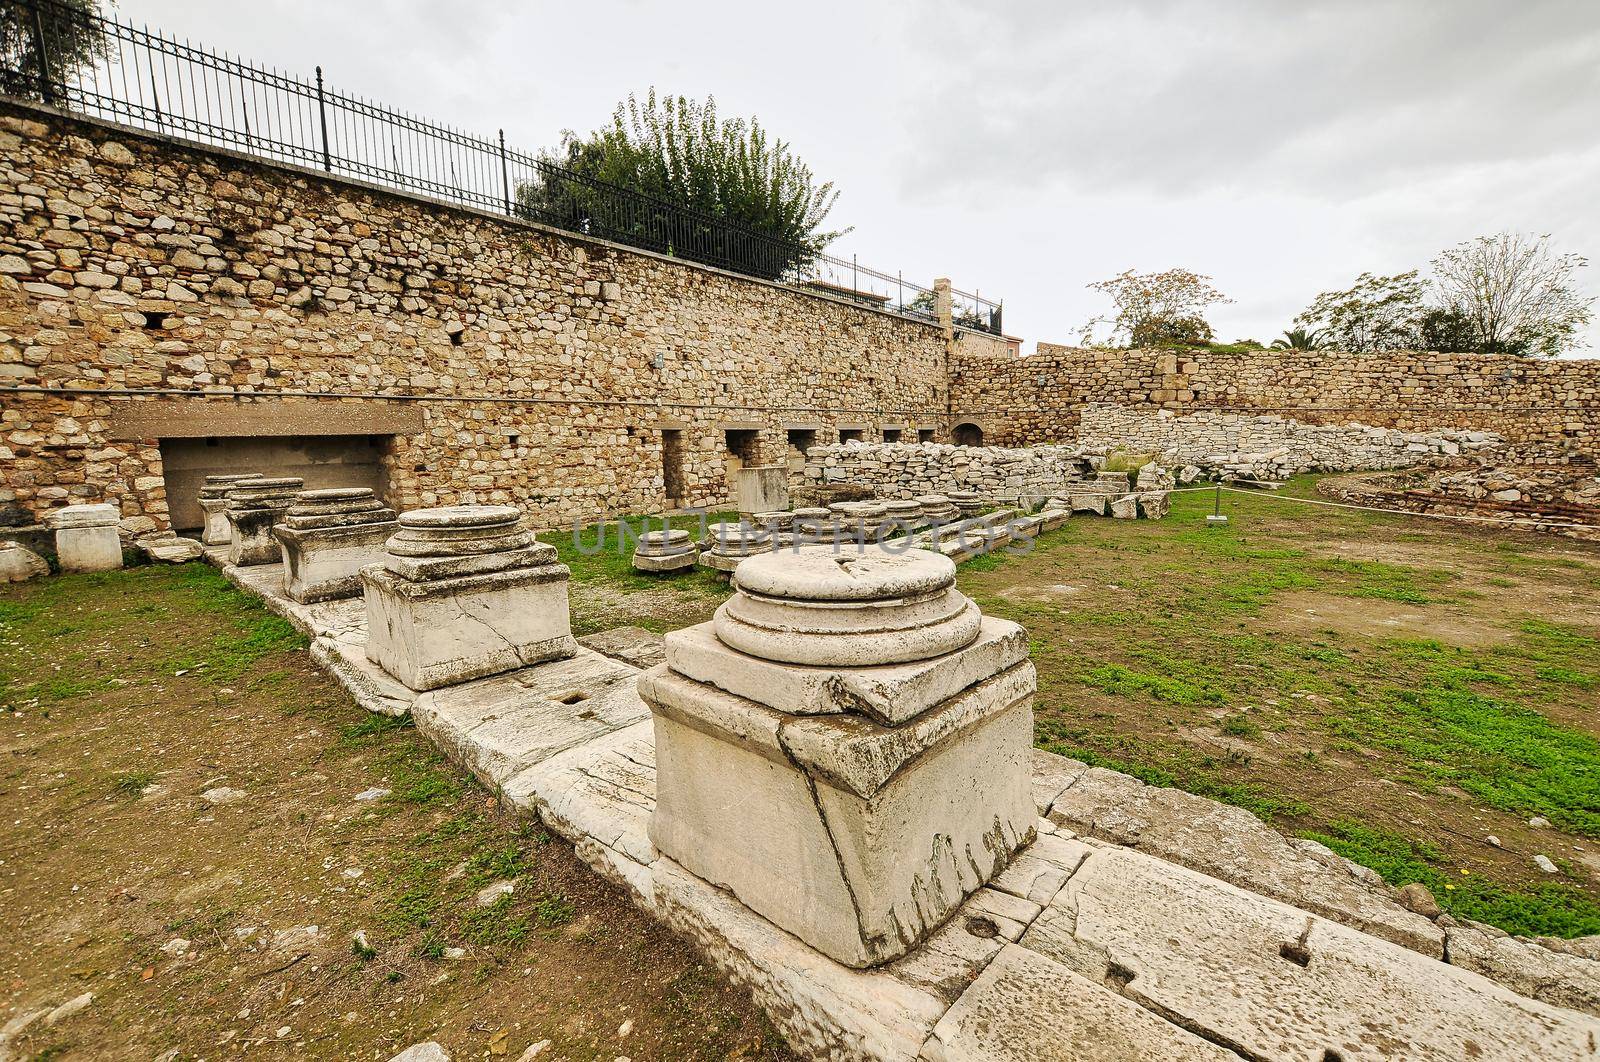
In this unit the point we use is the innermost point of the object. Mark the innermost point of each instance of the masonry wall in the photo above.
(1545, 407)
(161, 291)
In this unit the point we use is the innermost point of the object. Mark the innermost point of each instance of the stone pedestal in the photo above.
(968, 502)
(729, 543)
(762, 488)
(937, 509)
(846, 747)
(327, 537)
(665, 551)
(214, 504)
(86, 537)
(254, 507)
(462, 593)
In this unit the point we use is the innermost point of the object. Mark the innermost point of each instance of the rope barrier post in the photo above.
(1215, 517)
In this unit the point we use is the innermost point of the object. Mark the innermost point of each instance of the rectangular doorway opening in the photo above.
(850, 434)
(891, 435)
(924, 435)
(672, 467)
(800, 440)
(320, 460)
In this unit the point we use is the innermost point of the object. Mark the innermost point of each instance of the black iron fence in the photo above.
(61, 54)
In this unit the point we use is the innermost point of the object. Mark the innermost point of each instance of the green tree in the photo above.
(74, 38)
(1157, 309)
(1298, 339)
(1448, 331)
(681, 154)
(1513, 294)
(1375, 313)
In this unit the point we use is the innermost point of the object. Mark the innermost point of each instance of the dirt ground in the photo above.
(198, 829)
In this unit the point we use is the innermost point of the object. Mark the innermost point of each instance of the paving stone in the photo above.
(1026, 1008)
(1298, 986)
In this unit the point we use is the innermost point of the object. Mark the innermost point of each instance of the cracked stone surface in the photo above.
(1079, 948)
(1297, 986)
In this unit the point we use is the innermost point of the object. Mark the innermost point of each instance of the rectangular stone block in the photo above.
(804, 818)
(86, 537)
(323, 564)
(762, 489)
(433, 634)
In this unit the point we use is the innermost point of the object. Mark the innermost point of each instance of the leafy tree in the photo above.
(1512, 294)
(1375, 313)
(1158, 309)
(680, 154)
(1447, 331)
(1298, 339)
(74, 38)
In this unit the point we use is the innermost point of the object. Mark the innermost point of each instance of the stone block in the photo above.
(429, 626)
(254, 507)
(214, 504)
(761, 488)
(18, 563)
(667, 550)
(86, 537)
(860, 831)
(327, 537)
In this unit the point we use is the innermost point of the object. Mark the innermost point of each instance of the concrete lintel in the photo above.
(740, 425)
(200, 418)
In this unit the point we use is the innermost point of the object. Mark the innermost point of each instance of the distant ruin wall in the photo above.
(1551, 408)
(1268, 446)
(898, 471)
(161, 291)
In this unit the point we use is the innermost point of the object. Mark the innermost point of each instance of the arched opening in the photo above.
(968, 435)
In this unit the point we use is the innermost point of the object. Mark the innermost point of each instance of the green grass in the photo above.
(64, 618)
(1550, 910)
(603, 553)
(1174, 636)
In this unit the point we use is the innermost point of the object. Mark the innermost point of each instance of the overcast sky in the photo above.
(1028, 149)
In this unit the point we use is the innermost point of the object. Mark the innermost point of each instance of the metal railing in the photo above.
(63, 55)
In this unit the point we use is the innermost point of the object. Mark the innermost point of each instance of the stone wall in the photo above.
(894, 470)
(151, 290)
(1268, 446)
(1549, 408)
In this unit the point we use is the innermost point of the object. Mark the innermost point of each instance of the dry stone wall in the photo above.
(894, 470)
(1268, 446)
(150, 290)
(1548, 408)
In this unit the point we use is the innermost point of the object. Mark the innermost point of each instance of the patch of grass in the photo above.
(1114, 678)
(1454, 723)
(1239, 725)
(603, 553)
(132, 783)
(1550, 910)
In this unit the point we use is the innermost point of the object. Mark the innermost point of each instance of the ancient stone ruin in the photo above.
(327, 537)
(667, 550)
(462, 592)
(845, 747)
(86, 537)
(214, 504)
(254, 508)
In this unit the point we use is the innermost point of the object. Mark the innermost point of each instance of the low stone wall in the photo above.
(1549, 408)
(1552, 499)
(1268, 446)
(895, 470)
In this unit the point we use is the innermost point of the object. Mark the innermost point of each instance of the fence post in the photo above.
(505, 182)
(46, 92)
(322, 111)
(853, 273)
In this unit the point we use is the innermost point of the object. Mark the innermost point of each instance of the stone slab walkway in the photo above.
(1144, 923)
